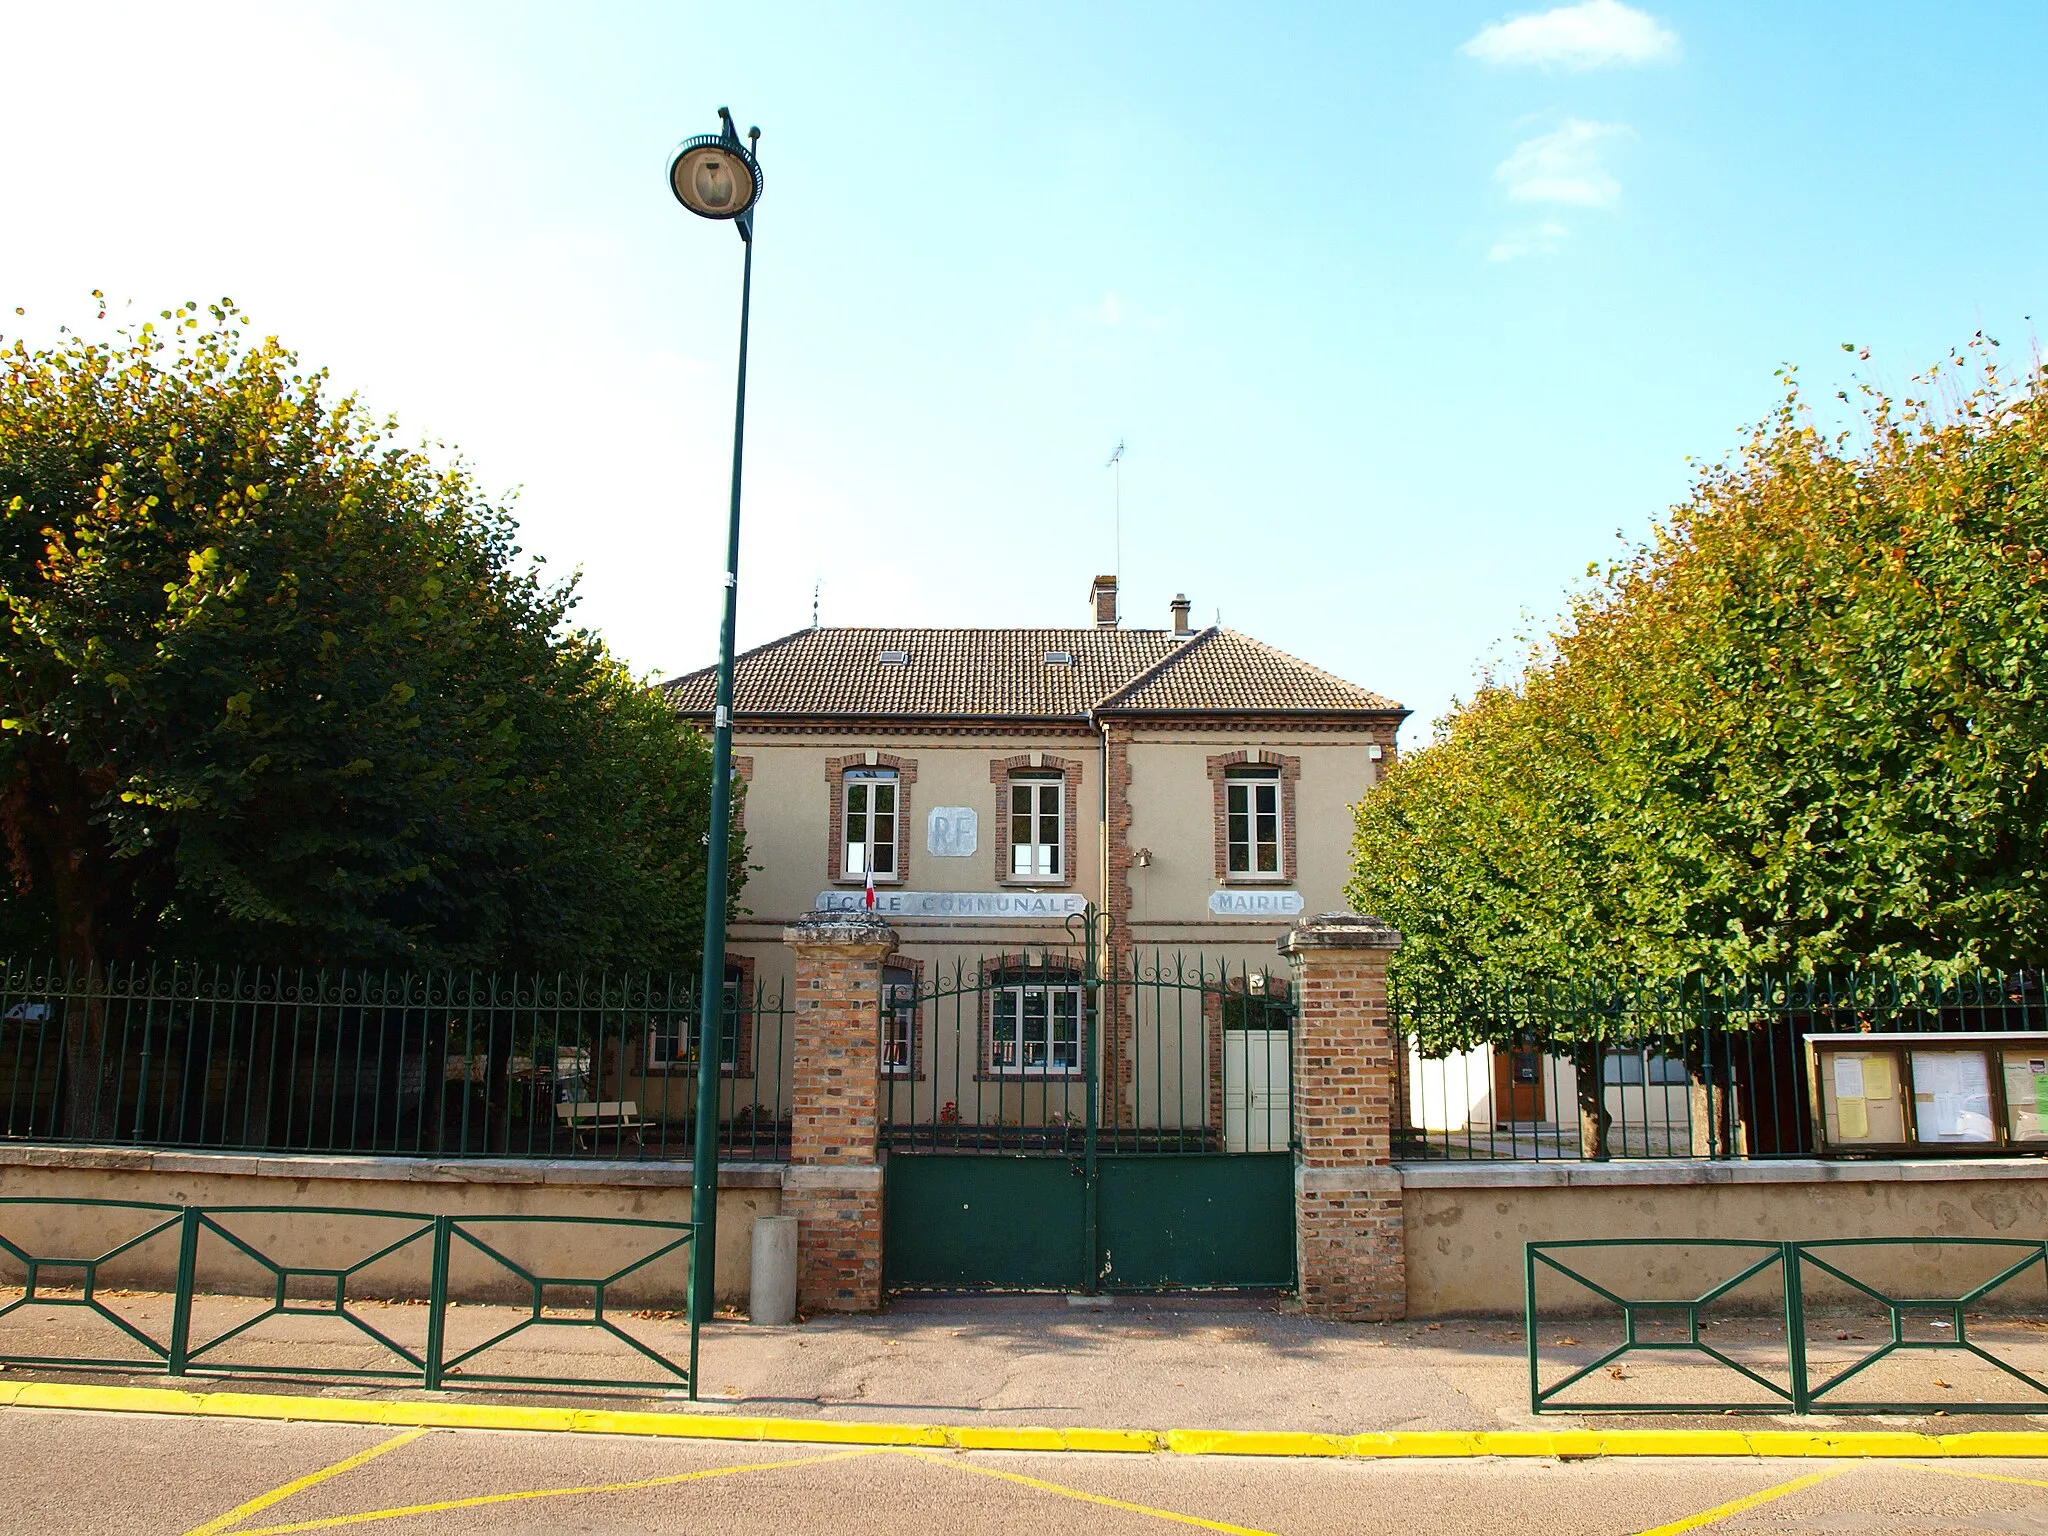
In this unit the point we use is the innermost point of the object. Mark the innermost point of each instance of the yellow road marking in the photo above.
(1984, 1477)
(1748, 1501)
(1084, 1497)
(263, 1501)
(402, 1413)
(335, 1522)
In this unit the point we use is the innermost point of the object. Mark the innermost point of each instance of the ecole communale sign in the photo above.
(1025, 904)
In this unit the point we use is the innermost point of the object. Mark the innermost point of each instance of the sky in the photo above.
(1404, 313)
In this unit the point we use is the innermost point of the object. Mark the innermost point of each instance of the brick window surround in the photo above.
(743, 1054)
(835, 829)
(915, 970)
(1219, 778)
(1026, 970)
(1000, 772)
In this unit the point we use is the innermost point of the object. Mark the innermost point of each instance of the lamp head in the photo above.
(714, 175)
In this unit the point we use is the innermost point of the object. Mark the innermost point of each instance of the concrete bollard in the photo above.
(772, 1297)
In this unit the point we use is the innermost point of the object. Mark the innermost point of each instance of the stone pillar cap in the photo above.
(1340, 930)
(840, 930)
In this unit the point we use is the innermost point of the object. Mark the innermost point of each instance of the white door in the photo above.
(1255, 1090)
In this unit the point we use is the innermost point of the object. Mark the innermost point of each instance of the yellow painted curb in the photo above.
(414, 1414)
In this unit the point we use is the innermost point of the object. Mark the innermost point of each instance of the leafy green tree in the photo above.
(275, 688)
(1803, 726)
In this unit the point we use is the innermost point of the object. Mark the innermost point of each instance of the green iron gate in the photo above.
(1081, 1118)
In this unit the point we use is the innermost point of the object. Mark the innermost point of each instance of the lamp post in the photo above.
(716, 177)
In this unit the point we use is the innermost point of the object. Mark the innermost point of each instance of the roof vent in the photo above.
(894, 658)
(1059, 658)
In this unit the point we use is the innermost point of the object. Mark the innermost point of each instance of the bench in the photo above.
(586, 1120)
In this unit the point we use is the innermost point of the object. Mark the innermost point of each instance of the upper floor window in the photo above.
(1252, 822)
(1037, 826)
(870, 823)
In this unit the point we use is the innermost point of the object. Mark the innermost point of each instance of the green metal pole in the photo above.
(711, 995)
(1091, 1014)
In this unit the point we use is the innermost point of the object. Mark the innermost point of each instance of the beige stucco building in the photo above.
(1193, 785)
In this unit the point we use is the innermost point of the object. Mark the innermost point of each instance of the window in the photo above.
(672, 1033)
(1035, 1028)
(1252, 823)
(1635, 1068)
(1037, 826)
(870, 824)
(899, 1022)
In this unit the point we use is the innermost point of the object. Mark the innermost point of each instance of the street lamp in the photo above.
(716, 177)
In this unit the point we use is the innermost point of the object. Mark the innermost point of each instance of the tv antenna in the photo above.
(1116, 462)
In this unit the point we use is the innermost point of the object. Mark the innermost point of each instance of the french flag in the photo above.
(870, 901)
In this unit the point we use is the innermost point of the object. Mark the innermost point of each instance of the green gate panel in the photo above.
(984, 1220)
(1197, 1220)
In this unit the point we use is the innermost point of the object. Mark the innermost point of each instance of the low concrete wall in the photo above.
(469, 1188)
(1466, 1223)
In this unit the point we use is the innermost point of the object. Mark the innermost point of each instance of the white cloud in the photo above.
(1541, 240)
(1564, 166)
(1595, 34)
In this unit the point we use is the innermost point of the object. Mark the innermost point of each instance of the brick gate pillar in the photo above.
(833, 1185)
(1348, 1238)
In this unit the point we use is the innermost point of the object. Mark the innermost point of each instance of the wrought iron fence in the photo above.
(187, 1290)
(441, 1064)
(1500, 1068)
(1708, 1325)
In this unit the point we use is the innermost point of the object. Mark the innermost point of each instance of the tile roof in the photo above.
(1221, 669)
(1002, 674)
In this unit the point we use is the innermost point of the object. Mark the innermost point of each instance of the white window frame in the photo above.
(899, 1023)
(668, 1049)
(856, 856)
(1036, 858)
(1056, 1057)
(1241, 788)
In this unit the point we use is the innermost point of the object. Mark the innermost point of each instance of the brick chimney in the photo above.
(1103, 596)
(1181, 605)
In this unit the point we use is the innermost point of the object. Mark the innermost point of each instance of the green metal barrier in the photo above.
(331, 1279)
(466, 1229)
(1797, 1265)
(1948, 1312)
(210, 1238)
(1636, 1310)
(41, 1272)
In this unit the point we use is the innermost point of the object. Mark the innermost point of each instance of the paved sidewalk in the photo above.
(1208, 1362)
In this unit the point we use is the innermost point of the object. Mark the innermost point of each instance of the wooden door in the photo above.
(1517, 1086)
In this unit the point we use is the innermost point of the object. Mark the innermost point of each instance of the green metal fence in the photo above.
(1514, 1067)
(261, 1261)
(440, 1064)
(1798, 1330)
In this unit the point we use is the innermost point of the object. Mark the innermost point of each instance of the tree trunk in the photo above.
(1594, 1120)
(49, 811)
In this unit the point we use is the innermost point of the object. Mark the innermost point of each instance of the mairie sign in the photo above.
(1024, 904)
(1243, 903)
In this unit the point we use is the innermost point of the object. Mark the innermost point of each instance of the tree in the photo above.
(275, 688)
(1802, 726)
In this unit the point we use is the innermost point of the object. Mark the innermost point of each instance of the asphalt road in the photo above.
(82, 1474)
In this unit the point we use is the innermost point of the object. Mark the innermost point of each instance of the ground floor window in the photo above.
(672, 1035)
(1035, 1027)
(899, 1021)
